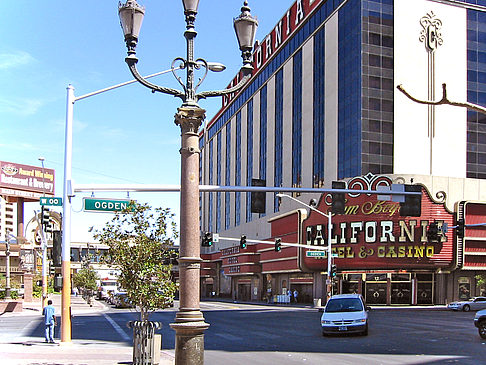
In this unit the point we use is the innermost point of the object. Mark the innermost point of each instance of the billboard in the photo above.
(25, 181)
(372, 235)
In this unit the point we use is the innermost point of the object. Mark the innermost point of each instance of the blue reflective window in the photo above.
(210, 171)
(218, 182)
(278, 133)
(263, 134)
(297, 121)
(227, 216)
(319, 108)
(249, 157)
(238, 169)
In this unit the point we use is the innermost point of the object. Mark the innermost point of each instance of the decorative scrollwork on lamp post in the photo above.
(189, 322)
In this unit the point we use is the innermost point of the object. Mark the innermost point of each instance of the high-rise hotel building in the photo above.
(323, 105)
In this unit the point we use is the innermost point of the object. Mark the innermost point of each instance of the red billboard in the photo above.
(25, 181)
(372, 235)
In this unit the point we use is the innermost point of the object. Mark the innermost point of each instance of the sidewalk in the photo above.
(34, 351)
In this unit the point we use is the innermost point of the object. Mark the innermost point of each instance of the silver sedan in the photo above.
(475, 303)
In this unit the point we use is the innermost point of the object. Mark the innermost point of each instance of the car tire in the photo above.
(466, 308)
(365, 332)
(482, 329)
(324, 334)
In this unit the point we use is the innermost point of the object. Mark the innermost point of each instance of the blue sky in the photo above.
(126, 135)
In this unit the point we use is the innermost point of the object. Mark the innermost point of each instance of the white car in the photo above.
(345, 313)
(475, 304)
(107, 287)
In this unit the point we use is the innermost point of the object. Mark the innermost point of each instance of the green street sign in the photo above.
(315, 254)
(105, 205)
(55, 201)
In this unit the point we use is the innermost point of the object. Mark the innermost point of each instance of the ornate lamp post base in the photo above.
(189, 340)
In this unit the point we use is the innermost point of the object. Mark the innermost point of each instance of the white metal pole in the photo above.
(45, 265)
(7, 268)
(66, 221)
(329, 255)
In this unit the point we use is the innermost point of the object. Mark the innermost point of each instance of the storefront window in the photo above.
(424, 288)
(464, 288)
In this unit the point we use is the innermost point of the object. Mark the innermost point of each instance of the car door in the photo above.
(480, 303)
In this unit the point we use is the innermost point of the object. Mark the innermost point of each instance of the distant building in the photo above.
(322, 105)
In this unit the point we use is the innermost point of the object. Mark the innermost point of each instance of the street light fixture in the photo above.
(189, 322)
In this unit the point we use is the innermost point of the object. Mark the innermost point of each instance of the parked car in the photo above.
(475, 303)
(345, 313)
(480, 322)
(120, 300)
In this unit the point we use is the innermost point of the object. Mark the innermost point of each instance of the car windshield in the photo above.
(108, 283)
(344, 305)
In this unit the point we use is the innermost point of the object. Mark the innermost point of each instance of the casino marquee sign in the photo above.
(372, 235)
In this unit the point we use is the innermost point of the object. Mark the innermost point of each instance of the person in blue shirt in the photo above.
(49, 314)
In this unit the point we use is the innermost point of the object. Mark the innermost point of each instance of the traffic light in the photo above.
(278, 244)
(333, 271)
(56, 248)
(49, 226)
(207, 239)
(460, 228)
(412, 207)
(44, 216)
(433, 232)
(338, 199)
(243, 242)
(258, 197)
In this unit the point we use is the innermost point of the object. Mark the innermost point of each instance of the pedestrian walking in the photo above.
(289, 293)
(296, 294)
(49, 314)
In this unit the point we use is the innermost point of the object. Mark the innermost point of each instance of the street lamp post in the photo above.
(67, 195)
(189, 322)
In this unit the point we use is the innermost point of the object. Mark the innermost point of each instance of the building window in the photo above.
(227, 216)
(349, 92)
(319, 108)
(476, 84)
(263, 135)
(297, 121)
(249, 157)
(211, 180)
(238, 169)
(278, 134)
(218, 182)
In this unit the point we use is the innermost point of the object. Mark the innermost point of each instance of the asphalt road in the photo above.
(248, 334)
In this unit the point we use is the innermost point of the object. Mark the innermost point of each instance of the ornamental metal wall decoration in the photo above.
(432, 37)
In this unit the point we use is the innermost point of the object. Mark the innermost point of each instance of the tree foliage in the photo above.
(86, 279)
(140, 242)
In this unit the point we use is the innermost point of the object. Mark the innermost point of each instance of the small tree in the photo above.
(139, 245)
(481, 281)
(86, 279)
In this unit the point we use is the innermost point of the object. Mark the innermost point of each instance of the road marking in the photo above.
(229, 337)
(117, 328)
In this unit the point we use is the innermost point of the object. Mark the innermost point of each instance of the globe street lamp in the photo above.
(189, 321)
